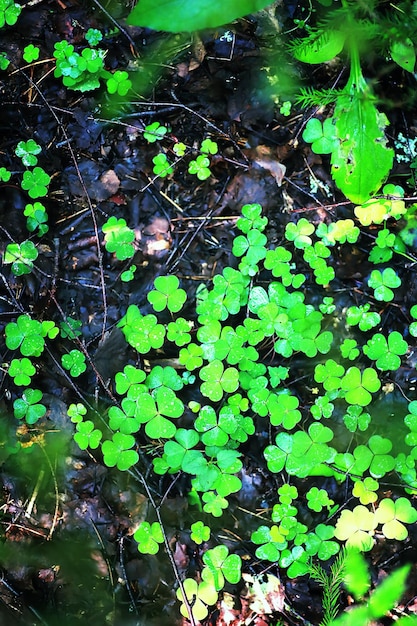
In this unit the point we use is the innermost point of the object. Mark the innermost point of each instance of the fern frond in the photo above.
(331, 583)
(310, 97)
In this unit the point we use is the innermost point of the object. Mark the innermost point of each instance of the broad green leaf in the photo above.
(404, 54)
(175, 16)
(362, 161)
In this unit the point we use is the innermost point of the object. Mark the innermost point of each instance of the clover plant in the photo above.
(27, 151)
(9, 12)
(119, 238)
(148, 537)
(21, 257)
(232, 370)
(29, 406)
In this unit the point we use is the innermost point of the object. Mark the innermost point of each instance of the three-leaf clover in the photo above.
(21, 370)
(21, 257)
(357, 528)
(358, 385)
(36, 182)
(87, 436)
(222, 565)
(317, 499)
(299, 233)
(200, 532)
(27, 150)
(74, 361)
(392, 513)
(167, 294)
(117, 451)
(200, 167)
(217, 380)
(154, 132)
(383, 282)
(119, 238)
(322, 136)
(31, 53)
(119, 83)
(161, 165)
(27, 406)
(198, 595)
(148, 536)
(386, 353)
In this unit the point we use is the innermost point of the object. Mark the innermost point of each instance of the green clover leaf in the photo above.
(166, 294)
(358, 385)
(36, 182)
(317, 499)
(87, 436)
(386, 353)
(119, 238)
(222, 565)
(27, 406)
(322, 136)
(357, 528)
(27, 150)
(198, 595)
(74, 361)
(199, 532)
(21, 256)
(21, 370)
(148, 537)
(218, 380)
(392, 513)
(365, 490)
(154, 132)
(382, 282)
(117, 451)
(299, 233)
(200, 167)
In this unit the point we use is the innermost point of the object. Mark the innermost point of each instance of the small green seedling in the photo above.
(36, 182)
(27, 407)
(119, 238)
(154, 132)
(93, 36)
(9, 12)
(5, 174)
(4, 64)
(36, 218)
(21, 370)
(21, 257)
(167, 294)
(161, 165)
(200, 167)
(74, 361)
(383, 283)
(30, 54)
(149, 537)
(119, 83)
